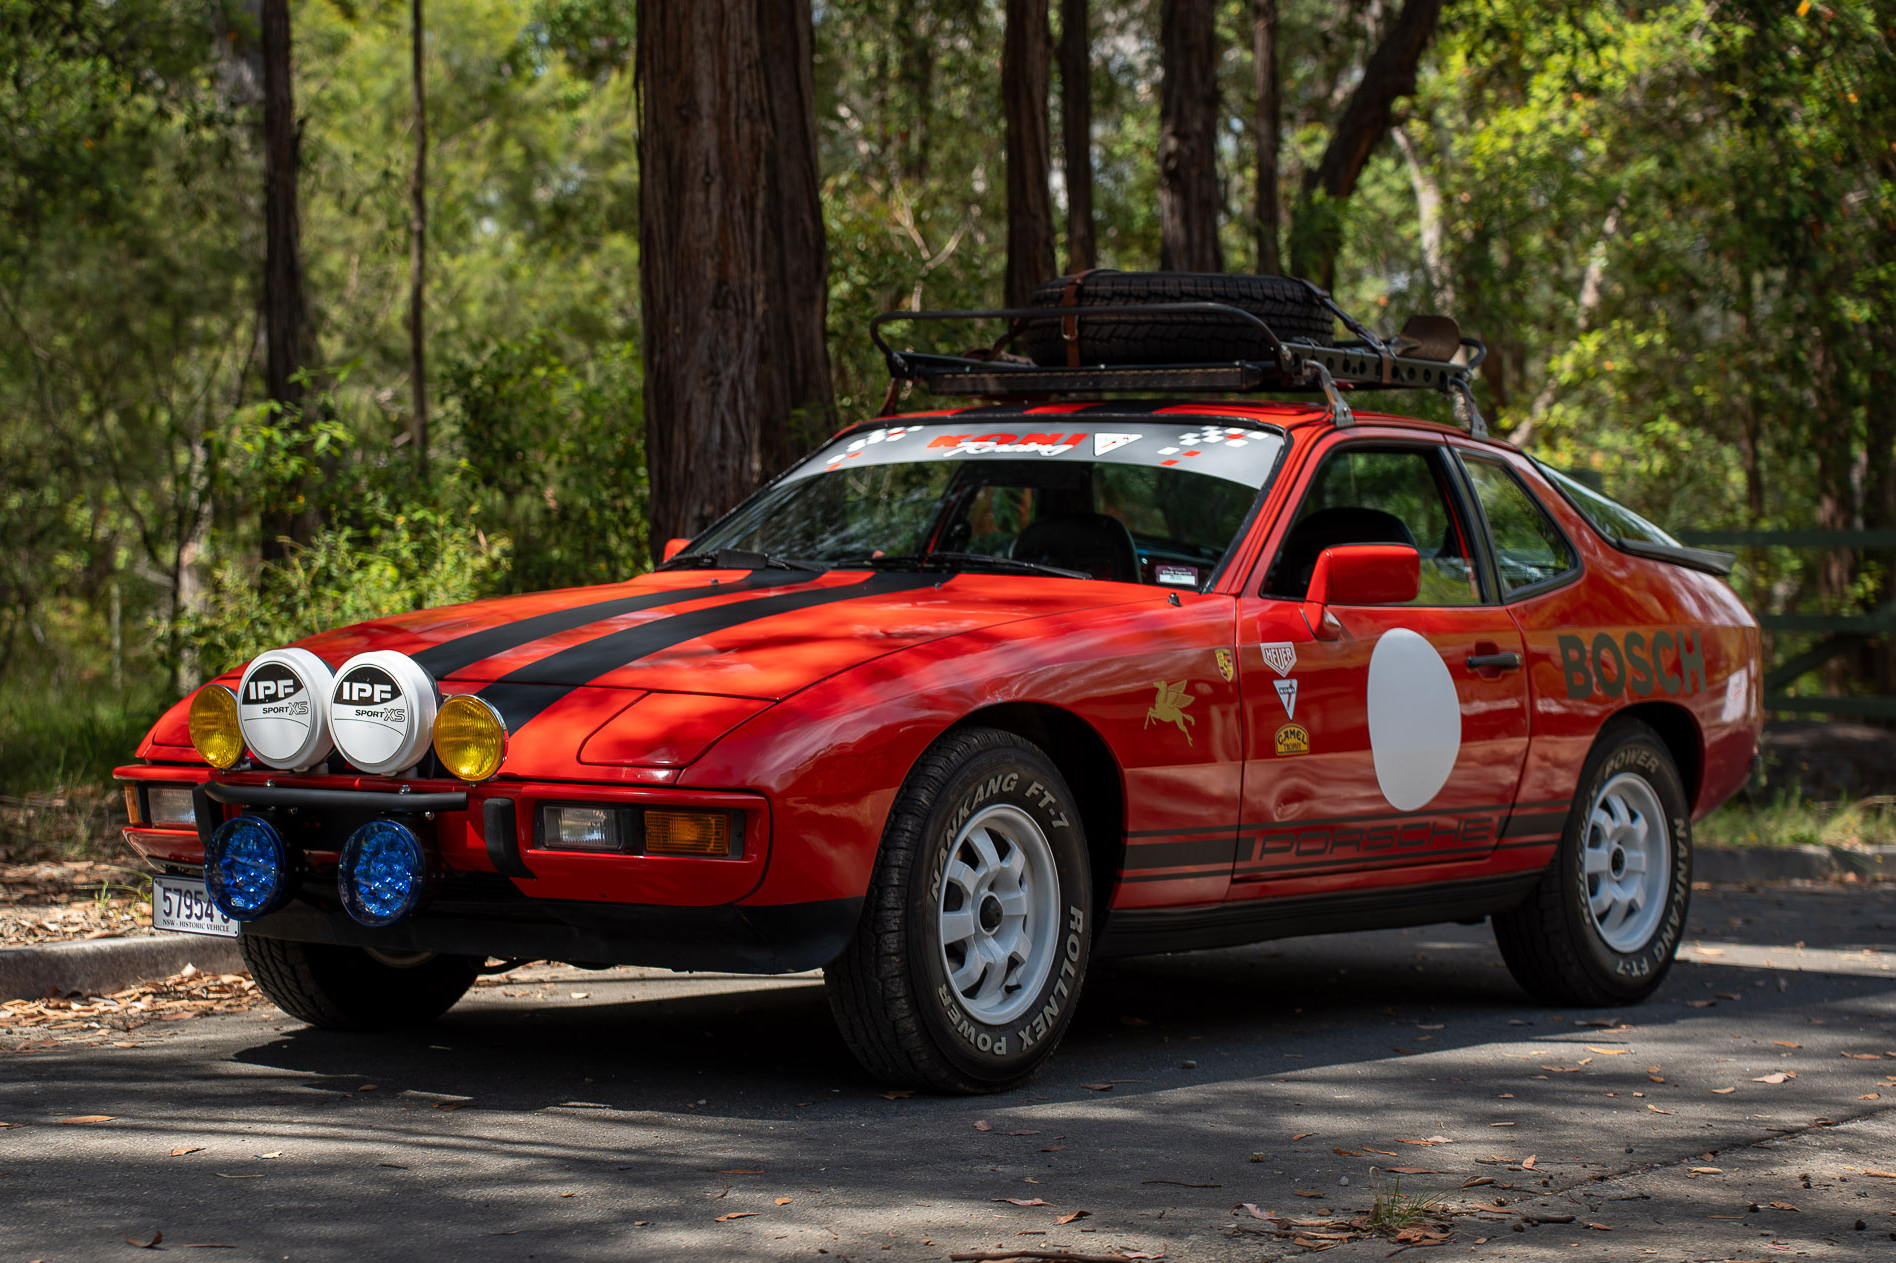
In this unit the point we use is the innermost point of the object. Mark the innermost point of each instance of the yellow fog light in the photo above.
(214, 729)
(470, 738)
(687, 832)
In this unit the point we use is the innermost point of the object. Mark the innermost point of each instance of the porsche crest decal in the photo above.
(1226, 667)
(1168, 707)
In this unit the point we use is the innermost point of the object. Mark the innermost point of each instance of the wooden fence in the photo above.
(1841, 633)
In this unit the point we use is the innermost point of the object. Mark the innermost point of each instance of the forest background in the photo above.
(1674, 223)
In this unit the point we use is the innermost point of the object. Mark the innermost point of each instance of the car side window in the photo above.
(1370, 495)
(1528, 548)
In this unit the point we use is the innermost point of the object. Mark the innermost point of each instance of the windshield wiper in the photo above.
(951, 561)
(736, 559)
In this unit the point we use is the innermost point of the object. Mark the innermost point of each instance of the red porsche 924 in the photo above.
(971, 697)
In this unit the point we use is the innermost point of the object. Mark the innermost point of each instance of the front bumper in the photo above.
(503, 894)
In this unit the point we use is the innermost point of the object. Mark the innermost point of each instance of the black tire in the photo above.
(1553, 943)
(346, 989)
(1287, 306)
(891, 991)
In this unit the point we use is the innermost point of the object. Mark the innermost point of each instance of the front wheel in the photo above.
(354, 988)
(1603, 924)
(975, 935)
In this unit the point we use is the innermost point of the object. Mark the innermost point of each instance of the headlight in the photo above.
(470, 738)
(214, 729)
(583, 828)
(172, 805)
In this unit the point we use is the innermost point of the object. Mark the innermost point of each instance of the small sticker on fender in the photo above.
(1293, 739)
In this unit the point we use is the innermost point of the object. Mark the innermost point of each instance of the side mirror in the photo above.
(1359, 574)
(673, 547)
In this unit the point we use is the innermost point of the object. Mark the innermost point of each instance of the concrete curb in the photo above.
(98, 966)
(1742, 864)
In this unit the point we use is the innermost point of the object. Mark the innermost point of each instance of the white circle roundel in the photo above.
(282, 708)
(1415, 725)
(382, 711)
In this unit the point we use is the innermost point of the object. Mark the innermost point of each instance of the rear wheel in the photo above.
(353, 988)
(1603, 924)
(975, 936)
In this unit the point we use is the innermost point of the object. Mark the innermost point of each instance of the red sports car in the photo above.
(970, 697)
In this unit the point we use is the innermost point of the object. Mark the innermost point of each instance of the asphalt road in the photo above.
(625, 1115)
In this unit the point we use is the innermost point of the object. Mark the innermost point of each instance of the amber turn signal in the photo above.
(214, 730)
(687, 832)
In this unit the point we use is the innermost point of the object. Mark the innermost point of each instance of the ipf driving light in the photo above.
(384, 873)
(215, 732)
(247, 868)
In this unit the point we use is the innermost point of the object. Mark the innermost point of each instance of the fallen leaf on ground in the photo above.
(1412, 1171)
(1657, 1078)
(1346, 1153)
(452, 1105)
(1707, 1170)
(1303, 1135)
(89, 1118)
(1609, 1052)
(1067, 1219)
(1655, 1109)
(1724, 1091)
(1776, 1076)
(1021, 1201)
(982, 1124)
(1528, 1162)
(1255, 1212)
(152, 1244)
(582, 995)
(278, 1154)
(1302, 1193)
(1478, 1181)
(1599, 1227)
(179, 1153)
(898, 1094)
(1097, 1087)
(1785, 1043)
(1387, 1153)
(1862, 1056)
(1884, 1175)
(1871, 1096)
(737, 1214)
(222, 1176)
(740, 1171)
(1701, 1004)
(1781, 1206)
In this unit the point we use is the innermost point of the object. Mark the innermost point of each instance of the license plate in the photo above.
(184, 907)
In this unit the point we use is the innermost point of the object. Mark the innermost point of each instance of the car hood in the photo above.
(760, 634)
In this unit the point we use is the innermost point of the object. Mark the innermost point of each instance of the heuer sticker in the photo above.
(1104, 443)
(1293, 739)
(1280, 656)
(1168, 707)
(1226, 666)
(1287, 694)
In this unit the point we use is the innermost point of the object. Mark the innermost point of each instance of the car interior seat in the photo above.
(1327, 528)
(1096, 543)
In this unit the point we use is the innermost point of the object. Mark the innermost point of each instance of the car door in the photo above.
(1380, 736)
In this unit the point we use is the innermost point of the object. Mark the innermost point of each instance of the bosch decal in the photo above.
(1639, 663)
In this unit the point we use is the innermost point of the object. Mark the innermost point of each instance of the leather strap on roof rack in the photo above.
(1070, 325)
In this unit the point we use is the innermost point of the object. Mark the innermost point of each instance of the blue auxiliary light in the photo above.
(247, 868)
(384, 873)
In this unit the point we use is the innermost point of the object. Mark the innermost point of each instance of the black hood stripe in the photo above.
(463, 652)
(521, 695)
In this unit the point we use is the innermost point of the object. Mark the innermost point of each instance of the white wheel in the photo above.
(998, 917)
(1627, 860)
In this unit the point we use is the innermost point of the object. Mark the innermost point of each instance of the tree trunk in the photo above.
(1026, 53)
(1189, 200)
(1388, 76)
(1265, 127)
(1076, 125)
(418, 255)
(1429, 227)
(733, 269)
(285, 318)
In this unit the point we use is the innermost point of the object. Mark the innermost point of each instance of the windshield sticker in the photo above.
(1179, 576)
(1234, 454)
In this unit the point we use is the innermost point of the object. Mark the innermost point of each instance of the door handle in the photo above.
(1493, 662)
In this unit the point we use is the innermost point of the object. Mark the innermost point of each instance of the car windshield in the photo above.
(1141, 499)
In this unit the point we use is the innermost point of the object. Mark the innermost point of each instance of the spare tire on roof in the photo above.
(1293, 312)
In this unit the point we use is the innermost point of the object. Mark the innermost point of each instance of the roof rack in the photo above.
(1366, 363)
